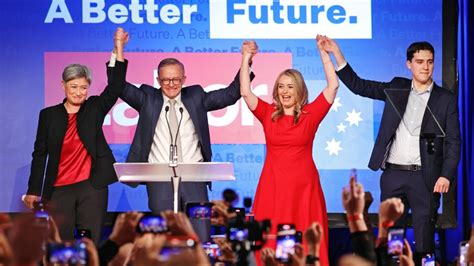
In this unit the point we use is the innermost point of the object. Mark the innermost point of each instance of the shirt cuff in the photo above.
(341, 66)
(113, 58)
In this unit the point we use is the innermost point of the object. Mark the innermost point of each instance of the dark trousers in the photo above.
(79, 206)
(160, 198)
(417, 196)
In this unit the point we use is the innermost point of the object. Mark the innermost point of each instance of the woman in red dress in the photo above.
(289, 190)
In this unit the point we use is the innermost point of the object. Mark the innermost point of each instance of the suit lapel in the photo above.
(191, 108)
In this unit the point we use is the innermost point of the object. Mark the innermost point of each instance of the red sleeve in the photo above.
(319, 108)
(262, 110)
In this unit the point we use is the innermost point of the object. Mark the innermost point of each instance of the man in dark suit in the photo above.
(418, 143)
(152, 139)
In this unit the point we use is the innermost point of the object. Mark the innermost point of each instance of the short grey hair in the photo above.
(77, 71)
(170, 61)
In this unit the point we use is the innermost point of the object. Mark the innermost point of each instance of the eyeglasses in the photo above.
(175, 81)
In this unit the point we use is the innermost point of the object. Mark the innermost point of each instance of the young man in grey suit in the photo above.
(152, 139)
(418, 143)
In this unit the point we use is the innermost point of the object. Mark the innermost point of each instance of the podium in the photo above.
(176, 173)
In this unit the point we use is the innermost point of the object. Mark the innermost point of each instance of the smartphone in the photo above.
(396, 236)
(217, 231)
(71, 253)
(239, 211)
(41, 214)
(152, 224)
(237, 234)
(285, 242)
(199, 210)
(463, 247)
(80, 233)
(175, 246)
(428, 260)
(212, 250)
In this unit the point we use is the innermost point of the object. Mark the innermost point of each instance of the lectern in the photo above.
(176, 173)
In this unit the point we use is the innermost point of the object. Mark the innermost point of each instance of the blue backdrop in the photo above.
(31, 28)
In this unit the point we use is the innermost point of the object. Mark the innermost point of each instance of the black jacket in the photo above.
(442, 105)
(52, 128)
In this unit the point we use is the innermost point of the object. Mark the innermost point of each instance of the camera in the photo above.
(152, 224)
(396, 237)
(199, 210)
(285, 242)
(67, 253)
(175, 246)
(248, 235)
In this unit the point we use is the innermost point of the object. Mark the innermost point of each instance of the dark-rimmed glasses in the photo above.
(175, 81)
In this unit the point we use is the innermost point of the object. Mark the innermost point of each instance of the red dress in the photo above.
(289, 190)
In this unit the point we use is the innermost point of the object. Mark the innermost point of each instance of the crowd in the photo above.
(31, 239)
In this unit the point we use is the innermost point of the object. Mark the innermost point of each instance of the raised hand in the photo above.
(328, 44)
(179, 224)
(124, 230)
(390, 210)
(220, 213)
(313, 236)
(353, 197)
(120, 40)
(268, 257)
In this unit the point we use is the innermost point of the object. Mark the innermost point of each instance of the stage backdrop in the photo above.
(38, 38)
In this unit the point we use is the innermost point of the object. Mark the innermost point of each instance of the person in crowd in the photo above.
(289, 190)
(180, 247)
(120, 241)
(160, 110)
(72, 163)
(390, 210)
(313, 237)
(418, 144)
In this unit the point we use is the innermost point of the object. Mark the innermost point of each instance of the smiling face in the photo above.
(421, 67)
(171, 79)
(76, 91)
(287, 93)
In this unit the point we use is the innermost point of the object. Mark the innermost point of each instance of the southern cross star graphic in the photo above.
(341, 127)
(353, 118)
(336, 104)
(333, 147)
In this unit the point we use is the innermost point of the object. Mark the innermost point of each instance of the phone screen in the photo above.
(428, 260)
(199, 210)
(395, 241)
(463, 247)
(152, 224)
(174, 246)
(67, 253)
(237, 234)
(285, 242)
(212, 250)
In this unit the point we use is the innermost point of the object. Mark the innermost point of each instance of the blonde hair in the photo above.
(301, 94)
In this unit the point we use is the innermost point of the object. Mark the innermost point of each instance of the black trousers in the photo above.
(79, 206)
(160, 198)
(417, 196)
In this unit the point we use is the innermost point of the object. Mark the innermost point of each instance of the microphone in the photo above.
(177, 131)
(172, 150)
